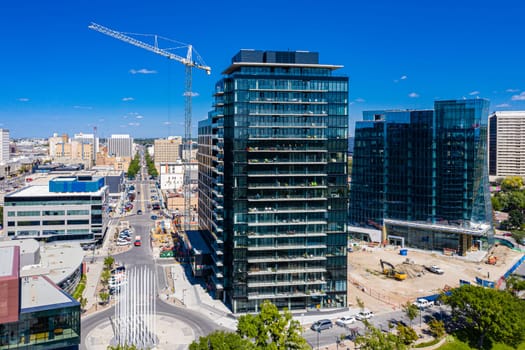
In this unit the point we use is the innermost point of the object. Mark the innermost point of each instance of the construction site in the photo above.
(384, 278)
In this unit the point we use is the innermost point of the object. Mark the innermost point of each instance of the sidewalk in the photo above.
(94, 269)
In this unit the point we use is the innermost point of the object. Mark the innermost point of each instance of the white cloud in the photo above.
(193, 94)
(125, 99)
(413, 95)
(403, 77)
(520, 97)
(139, 117)
(142, 71)
(359, 99)
(133, 124)
(101, 120)
(474, 93)
(166, 123)
(512, 90)
(23, 99)
(503, 105)
(82, 107)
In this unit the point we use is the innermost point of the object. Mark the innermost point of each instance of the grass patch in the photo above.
(455, 344)
(80, 287)
(428, 343)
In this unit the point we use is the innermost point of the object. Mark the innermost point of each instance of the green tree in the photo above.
(407, 335)
(512, 183)
(497, 204)
(437, 328)
(516, 219)
(488, 314)
(514, 284)
(220, 340)
(375, 339)
(515, 200)
(104, 297)
(108, 262)
(83, 302)
(411, 311)
(271, 329)
(104, 278)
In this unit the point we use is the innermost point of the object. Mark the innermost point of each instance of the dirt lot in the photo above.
(381, 293)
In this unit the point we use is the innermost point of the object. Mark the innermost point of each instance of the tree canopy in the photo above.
(220, 340)
(271, 329)
(512, 183)
(375, 339)
(488, 314)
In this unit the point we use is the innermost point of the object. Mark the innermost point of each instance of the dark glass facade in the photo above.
(422, 176)
(43, 328)
(277, 188)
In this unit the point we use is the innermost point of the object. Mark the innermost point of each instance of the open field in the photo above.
(381, 293)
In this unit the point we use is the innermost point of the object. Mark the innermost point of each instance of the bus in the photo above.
(137, 242)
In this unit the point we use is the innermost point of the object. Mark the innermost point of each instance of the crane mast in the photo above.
(189, 64)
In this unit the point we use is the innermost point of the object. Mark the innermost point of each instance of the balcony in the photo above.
(286, 148)
(282, 172)
(287, 90)
(285, 137)
(217, 260)
(217, 282)
(304, 257)
(257, 296)
(217, 272)
(257, 272)
(291, 101)
(288, 234)
(285, 210)
(267, 161)
(288, 126)
(286, 247)
(283, 186)
(285, 283)
(297, 222)
(282, 198)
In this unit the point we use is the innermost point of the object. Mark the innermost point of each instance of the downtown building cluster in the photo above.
(274, 200)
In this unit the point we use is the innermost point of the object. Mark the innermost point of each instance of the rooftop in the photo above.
(43, 191)
(8, 259)
(39, 291)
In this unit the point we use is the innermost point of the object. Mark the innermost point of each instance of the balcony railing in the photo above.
(285, 283)
(277, 197)
(285, 247)
(288, 234)
(277, 258)
(270, 271)
(255, 223)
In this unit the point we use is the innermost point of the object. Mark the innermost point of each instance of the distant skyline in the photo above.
(59, 76)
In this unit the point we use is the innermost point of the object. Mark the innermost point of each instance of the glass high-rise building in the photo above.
(273, 182)
(419, 178)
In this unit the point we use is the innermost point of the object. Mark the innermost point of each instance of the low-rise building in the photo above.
(71, 207)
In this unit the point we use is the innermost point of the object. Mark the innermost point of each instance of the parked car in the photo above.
(423, 303)
(364, 315)
(122, 243)
(321, 325)
(139, 212)
(435, 269)
(345, 321)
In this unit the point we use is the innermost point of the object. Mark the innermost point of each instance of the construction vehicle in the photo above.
(390, 271)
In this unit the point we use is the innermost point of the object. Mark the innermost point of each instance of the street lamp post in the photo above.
(318, 332)
(337, 341)
(420, 311)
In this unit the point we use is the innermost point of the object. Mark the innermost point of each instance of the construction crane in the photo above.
(189, 63)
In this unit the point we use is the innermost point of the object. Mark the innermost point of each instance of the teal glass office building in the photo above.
(419, 178)
(273, 182)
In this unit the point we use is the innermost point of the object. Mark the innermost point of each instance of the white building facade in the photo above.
(506, 143)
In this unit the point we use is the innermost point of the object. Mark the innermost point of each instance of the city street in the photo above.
(191, 323)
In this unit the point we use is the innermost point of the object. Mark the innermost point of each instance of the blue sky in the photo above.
(59, 76)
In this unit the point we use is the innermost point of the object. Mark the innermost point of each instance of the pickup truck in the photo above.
(423, 303)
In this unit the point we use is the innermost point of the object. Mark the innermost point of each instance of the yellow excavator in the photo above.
(390, 271)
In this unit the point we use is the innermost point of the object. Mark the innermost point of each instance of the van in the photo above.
(321, 325)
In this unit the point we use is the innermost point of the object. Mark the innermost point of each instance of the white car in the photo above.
(364, 315)
(345, 321)
(423, 303)
(435, 269)
(124, 242)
